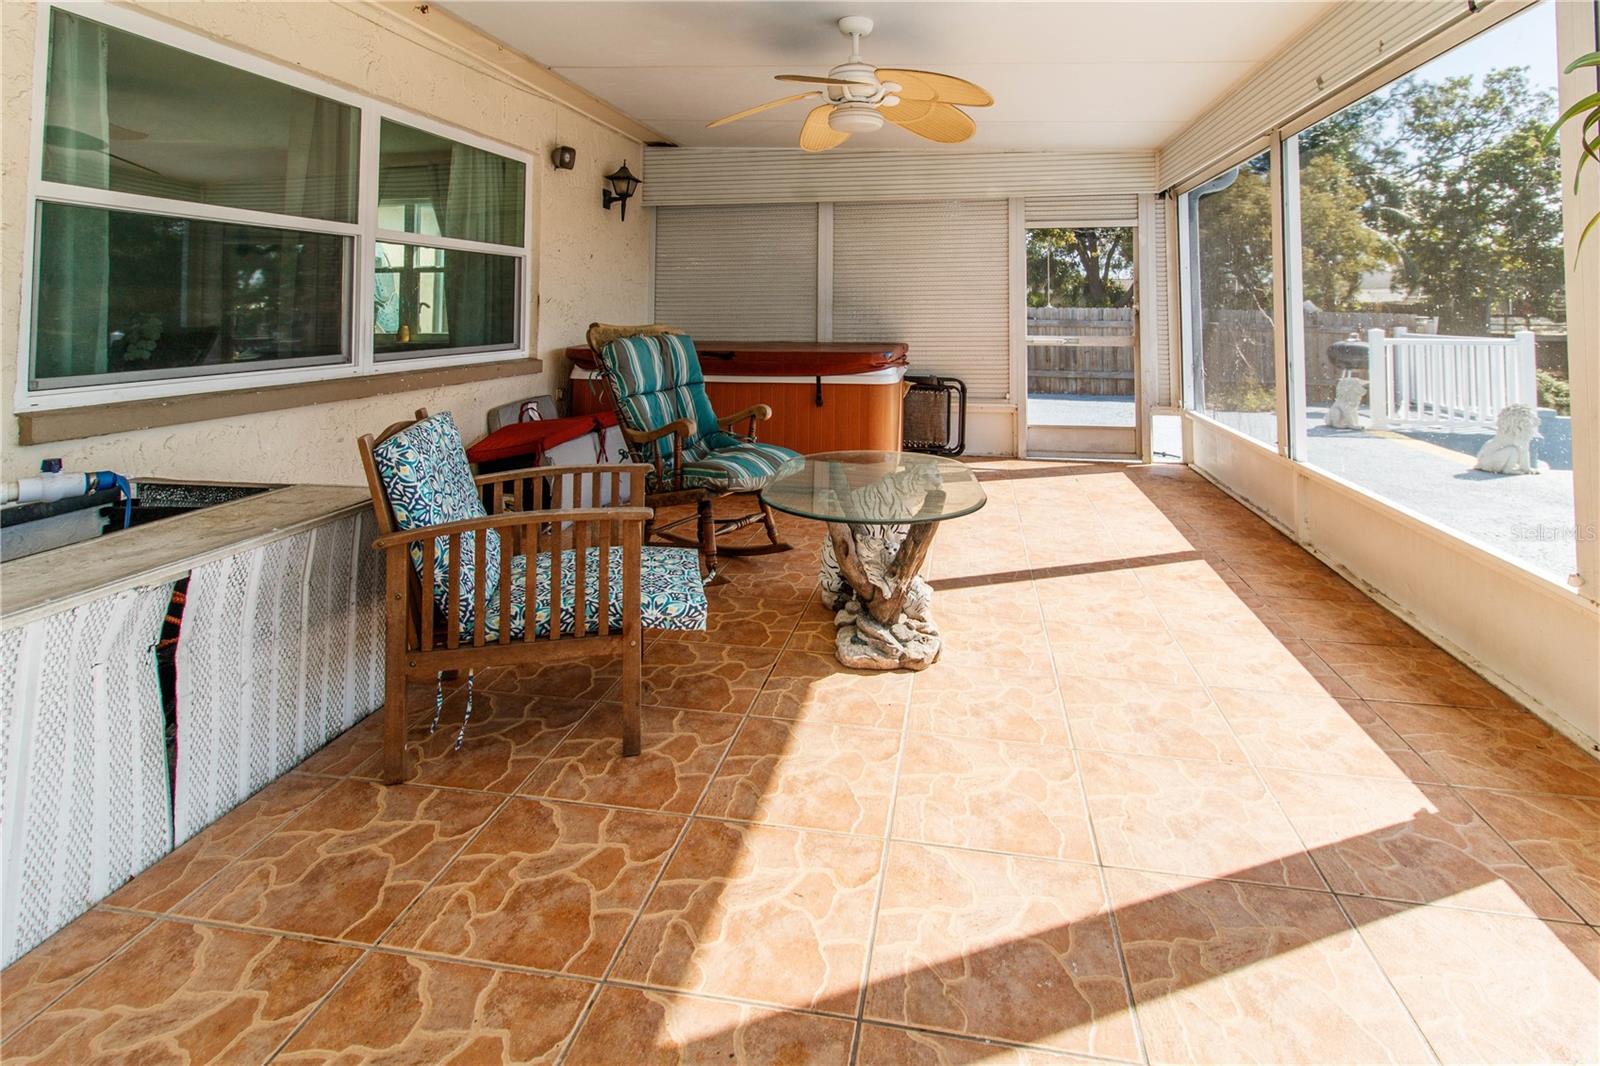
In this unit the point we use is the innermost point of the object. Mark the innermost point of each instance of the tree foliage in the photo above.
(1080, 267)
(1457, 188)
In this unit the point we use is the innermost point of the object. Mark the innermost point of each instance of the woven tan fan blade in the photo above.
(942, 123)
(946, 87)
(816, 136)
(747, 112)
(812, 79)
(909, 110)
(911, 87)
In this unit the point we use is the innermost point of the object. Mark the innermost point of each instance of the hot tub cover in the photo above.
(782, 358)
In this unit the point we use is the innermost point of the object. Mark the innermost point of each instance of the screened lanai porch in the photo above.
(1237, 717)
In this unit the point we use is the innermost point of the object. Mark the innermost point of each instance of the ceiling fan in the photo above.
(858, 97)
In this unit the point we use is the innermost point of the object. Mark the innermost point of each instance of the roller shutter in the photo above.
(934, 275)
(738, 272)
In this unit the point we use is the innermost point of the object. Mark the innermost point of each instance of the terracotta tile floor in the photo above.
(1175, 792)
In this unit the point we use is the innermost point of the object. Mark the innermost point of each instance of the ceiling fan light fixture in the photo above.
(855, 118)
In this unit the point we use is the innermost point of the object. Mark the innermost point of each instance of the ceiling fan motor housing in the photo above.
(855, 118)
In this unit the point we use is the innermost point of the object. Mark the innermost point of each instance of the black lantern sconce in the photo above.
(565, 157)
(623, 186)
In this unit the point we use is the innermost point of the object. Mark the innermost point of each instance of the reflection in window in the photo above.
(432, 299)
(436, 187)
(1431, 280)
(1228, 224)
(126, 296)
(128, 114)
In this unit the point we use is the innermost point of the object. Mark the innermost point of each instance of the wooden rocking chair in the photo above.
(653, 375)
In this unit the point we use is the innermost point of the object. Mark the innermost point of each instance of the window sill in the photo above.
(99, 420)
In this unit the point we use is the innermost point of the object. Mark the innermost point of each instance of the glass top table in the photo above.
(882, 509)
(875, 488)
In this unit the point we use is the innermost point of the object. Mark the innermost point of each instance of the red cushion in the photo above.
(533, 439)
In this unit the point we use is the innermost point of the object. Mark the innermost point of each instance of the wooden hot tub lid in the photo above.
(783, 358)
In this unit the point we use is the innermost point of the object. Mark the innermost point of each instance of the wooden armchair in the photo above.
(653, 375)
(501, 570)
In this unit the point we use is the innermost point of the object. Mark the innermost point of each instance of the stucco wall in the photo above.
(588, 264)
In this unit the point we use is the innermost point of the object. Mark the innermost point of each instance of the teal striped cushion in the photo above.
(655, 380)
(743, 466)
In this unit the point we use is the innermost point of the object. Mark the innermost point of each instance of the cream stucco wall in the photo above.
(588, 264)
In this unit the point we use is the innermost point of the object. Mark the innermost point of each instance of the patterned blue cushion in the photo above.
(739, 466)
(670, 593)
(427, 480)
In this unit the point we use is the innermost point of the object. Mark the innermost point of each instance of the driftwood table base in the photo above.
(871, 579)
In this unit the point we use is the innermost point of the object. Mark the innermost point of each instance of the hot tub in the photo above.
(824, 396)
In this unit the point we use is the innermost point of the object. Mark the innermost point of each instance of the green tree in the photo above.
(1455, 177)
(1079, 267)
(1338, 244)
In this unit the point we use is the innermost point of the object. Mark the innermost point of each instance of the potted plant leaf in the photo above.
(1587, 113)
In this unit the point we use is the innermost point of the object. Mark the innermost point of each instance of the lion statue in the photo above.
(1509, 451)
(1345, 411)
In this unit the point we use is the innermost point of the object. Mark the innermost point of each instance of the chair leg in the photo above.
(632, 683)
(394, 727)
(708, 538)
(767, 520)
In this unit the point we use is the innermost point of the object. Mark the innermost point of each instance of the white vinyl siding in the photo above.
(738, 272)
(744, 175)
(934, 275)
(1349, 41)
(1069, 212)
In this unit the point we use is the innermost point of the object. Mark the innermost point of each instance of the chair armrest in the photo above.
(682, 428)
(754, 413)
(512, 520)
(636, 469)
(757, 412)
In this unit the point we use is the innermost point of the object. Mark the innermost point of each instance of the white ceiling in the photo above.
(1087, 74)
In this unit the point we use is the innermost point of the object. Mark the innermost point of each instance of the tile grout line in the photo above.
(400, 915)
(1137, 1024)
(1317, 867)
(884, 846)
(655, 883)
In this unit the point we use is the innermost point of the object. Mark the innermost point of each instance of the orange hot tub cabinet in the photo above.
(824, 397)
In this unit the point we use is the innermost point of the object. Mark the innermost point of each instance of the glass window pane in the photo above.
(128, 114)
(127, 296)
(432, 300)
(1434, 292)
(1229, 223)
(448, 189)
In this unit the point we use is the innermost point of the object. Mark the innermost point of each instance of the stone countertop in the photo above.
(57, 580)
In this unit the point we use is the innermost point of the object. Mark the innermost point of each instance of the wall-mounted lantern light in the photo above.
(565, 157)
(623, 186)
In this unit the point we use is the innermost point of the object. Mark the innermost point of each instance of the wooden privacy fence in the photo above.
(1064, 358)
(1238, 344)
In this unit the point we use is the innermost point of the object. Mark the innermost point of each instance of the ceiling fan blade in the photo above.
(813, 79)
(747, 112)
(950, 89)
(943, 123)
(816, 135)
(908, 110)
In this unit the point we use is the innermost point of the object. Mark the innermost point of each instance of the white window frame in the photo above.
(1184, 241)
(363, 234)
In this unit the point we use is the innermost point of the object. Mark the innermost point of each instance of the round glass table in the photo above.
(882, 509)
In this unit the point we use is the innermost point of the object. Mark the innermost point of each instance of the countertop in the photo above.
(58, 580)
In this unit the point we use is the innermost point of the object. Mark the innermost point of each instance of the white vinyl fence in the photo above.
(1416, 377)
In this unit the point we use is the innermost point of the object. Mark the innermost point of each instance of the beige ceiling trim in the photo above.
(438, 24)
